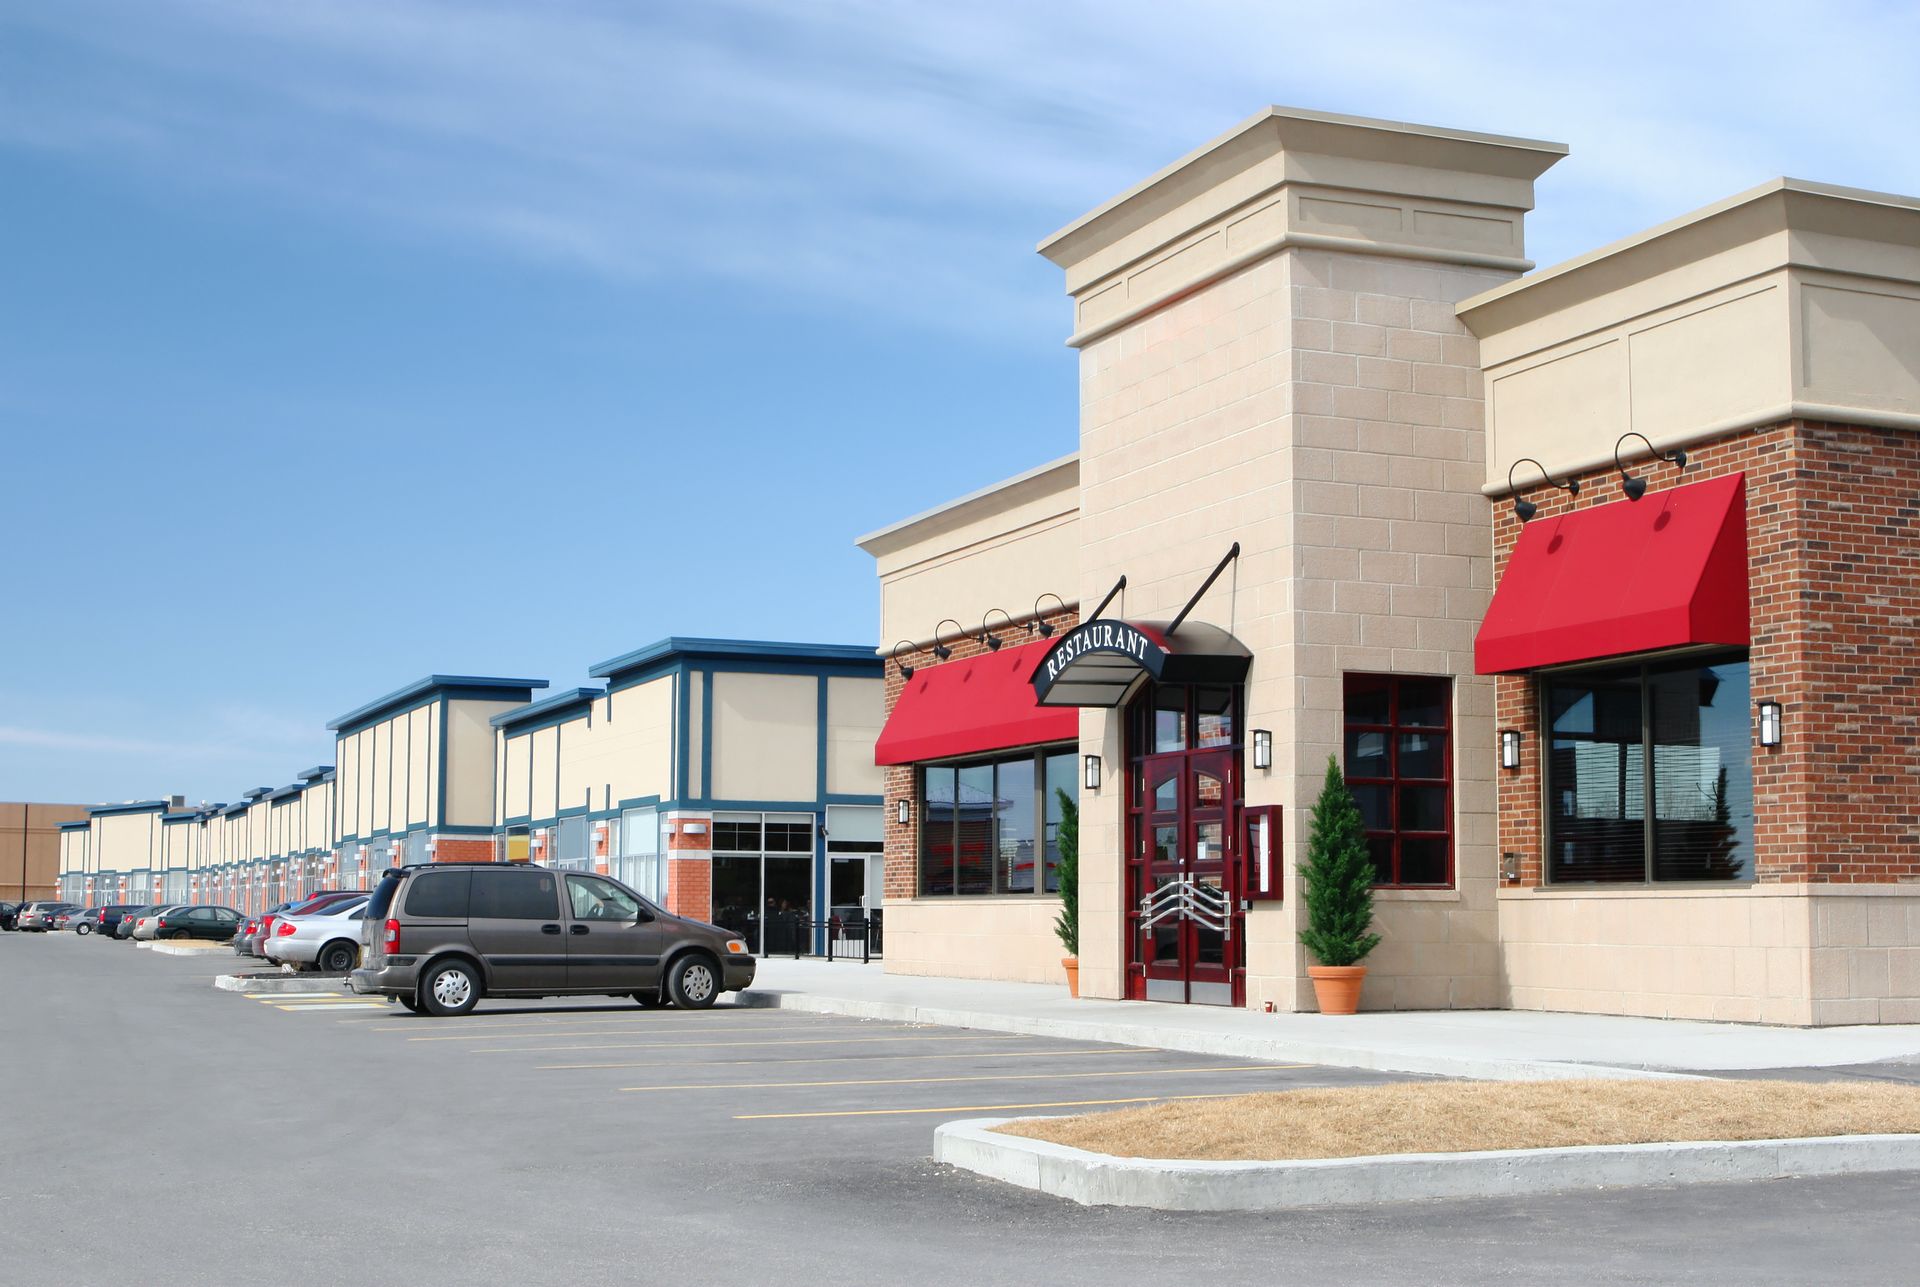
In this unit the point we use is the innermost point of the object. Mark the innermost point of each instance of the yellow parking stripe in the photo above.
(688, 1045)
(930, 1081)
(604, 1032)
(331, 1005)
(849, 1059)
(976, 1108)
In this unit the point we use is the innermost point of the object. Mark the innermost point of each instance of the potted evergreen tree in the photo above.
(1337, 883)
(1067, 871)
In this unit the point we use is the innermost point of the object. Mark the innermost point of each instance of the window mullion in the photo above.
(1646, 776)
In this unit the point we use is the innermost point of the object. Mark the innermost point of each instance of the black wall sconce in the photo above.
(1636, 487)
(902, 811)
(1525, 509)
(906, 671)
(1045, 628)
(1769, 723)
(987, 637)
(1093, 773)
(1509, 748)
(1262, 748)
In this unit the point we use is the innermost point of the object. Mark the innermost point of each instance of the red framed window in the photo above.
(1399, 765)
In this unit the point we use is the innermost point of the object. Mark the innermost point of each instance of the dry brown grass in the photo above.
(1455, 1117)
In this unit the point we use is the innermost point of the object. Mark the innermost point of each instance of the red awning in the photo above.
(975, 704)
(1627, 577)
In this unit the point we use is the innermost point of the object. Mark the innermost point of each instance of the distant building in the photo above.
(30, 848)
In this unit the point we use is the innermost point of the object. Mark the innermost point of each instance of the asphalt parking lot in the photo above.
(341, 1140)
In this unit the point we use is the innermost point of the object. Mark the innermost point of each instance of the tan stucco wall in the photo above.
(1790, 300)
(856, 711)
(544, 771)
(637, 740)
(1787, 954)
(1002, 547)
(975, 938)
(469, 760)
(125, 841)
(618, 748)
(766, 731)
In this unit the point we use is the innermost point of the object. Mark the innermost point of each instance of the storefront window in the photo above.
(763, 879)
(1677, 734)
(570, 844)
(1399, 766)
(978, 831)
(637, 853)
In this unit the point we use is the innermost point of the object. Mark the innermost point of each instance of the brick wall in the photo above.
(1835, 584)
(464, 849)
(902, 843)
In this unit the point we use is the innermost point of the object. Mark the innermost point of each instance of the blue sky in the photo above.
(342, 343)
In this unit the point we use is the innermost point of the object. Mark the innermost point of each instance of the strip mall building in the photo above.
(1599, 581)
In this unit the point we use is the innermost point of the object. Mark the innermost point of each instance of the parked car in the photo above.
(328, 938)
(439, 937)
(146, 925)
(123, 928)
(38, 917)
(189, 920)
(108, 918)
(311, 903)
(246, 940)
(9, 916)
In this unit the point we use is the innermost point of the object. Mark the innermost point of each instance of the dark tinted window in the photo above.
(514, 895)
(383, 897)
(440, 894)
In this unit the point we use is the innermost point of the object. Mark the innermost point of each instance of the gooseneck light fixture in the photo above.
(987, 636)
(906, 671)
(940, 650)
(1525, 509)
(1636, 487)
(1045, 628)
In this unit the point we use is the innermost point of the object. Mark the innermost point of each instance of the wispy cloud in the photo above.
(907, 157)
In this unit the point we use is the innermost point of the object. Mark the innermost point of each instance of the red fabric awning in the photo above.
(975, 704)
(1627, 577)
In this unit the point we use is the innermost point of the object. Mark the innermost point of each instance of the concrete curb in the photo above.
(1479, 1068)
(1096, 1179)
(183, 949)
(297, 984)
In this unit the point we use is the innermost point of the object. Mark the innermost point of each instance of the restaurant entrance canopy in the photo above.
(1629, 577)
(1098, 662)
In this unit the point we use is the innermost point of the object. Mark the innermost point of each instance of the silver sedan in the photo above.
(329, 939)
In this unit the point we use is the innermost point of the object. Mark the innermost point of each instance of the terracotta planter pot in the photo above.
(1072, 964)
(1336, 988)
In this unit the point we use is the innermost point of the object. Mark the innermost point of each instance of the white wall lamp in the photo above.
(1262, 748)
(902, 811)
(1509, 748)
(1093, 773)
(1769, 723)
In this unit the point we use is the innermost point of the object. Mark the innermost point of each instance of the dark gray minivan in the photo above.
(440, 936)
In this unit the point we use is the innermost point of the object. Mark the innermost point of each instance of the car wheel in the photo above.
(83, 930)
(693, 982)
(338, 958)
(449, 988)
(650, 1000)
(174, 934)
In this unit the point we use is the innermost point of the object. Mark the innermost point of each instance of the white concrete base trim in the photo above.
(1153, 1037)
(185, 949)
(1096, 1179)
(294, 984)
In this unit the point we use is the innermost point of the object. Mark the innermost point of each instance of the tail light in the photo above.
(392, 947)
(286, 928)
(163, 922)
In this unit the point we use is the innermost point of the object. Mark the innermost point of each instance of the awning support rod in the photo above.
(1205, 586)
(1118, 586)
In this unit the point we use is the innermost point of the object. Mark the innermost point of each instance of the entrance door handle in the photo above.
(579, 929)
(549, 929)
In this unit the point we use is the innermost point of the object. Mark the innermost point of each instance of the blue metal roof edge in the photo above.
(78, 824)
(739, 649)
(131, 806)
(318, 773)
(546, 706)
(292, 788)
(423, 688)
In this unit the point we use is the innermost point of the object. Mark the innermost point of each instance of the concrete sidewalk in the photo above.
(1494, 1044)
